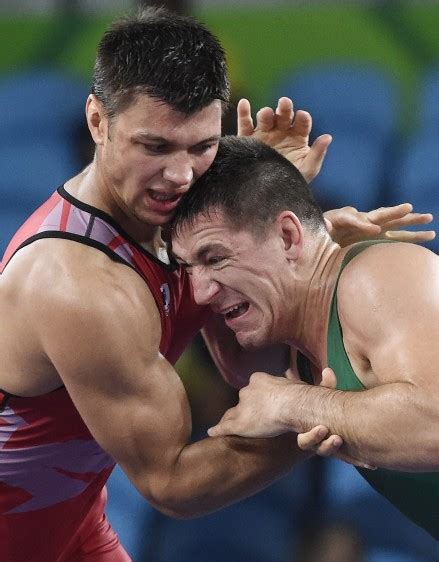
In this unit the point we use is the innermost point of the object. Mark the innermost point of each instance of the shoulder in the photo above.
(379, 264)
(391, 281)
(64, 282)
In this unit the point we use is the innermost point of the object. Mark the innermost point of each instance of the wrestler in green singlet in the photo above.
(416, 494)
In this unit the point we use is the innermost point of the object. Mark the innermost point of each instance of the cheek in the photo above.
(203, 163)
(140, 168)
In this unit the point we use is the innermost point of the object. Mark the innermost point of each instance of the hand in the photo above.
(348, 226)
(287, 132)
(257, 413)
(332, 445)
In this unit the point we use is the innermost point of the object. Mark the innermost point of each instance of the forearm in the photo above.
(215, 472)
(392, 426)
(235, 363)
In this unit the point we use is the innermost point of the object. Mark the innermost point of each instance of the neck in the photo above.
(91, 187)
(316, 275)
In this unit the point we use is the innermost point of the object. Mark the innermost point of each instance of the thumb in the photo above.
(218, 430)
(329, 380)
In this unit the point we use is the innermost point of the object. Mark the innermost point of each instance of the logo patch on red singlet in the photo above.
(166, 294)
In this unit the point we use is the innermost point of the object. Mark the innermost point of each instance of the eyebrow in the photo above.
(201, 253)
(162, 140)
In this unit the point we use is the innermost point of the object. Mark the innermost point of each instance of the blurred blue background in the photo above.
(369, 74)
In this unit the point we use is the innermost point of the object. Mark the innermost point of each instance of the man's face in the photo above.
(152, 154)
(238, 274)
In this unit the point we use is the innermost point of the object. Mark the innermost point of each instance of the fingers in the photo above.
(309, 440)
(224, 426)
(218, 430)
(328, 224)
(315, 440)
(315, 157)
(328, 447)
(386, 214)
(408, 220)
(284, 114)
(292, 375)
(245, 121)
(265, 119)
(302, 123)
(410, 236)
(281, 119)
(329, 379)
(352, 218)
(391, 219)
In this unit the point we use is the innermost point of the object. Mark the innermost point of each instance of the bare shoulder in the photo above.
(60, 282)
(397, 262)
(391, 281)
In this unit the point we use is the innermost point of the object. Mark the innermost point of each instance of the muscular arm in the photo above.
(102, 334)
(235, 363)
(391, 336)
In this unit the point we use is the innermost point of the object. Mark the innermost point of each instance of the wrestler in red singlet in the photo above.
(52, 471)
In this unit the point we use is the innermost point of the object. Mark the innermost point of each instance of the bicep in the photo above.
(408, 351)
(129, 396)
(396, 321)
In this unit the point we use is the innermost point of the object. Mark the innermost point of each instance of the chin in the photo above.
(251, 341)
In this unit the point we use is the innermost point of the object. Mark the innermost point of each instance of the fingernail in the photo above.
(369, 467)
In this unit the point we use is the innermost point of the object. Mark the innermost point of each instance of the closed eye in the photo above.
(156, 148)
(215, 260)
(202, 148)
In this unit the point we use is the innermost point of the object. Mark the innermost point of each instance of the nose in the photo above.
(179, 169)
(205, 288)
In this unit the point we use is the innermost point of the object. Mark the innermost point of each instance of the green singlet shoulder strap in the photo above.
(337, 356)
(338, 359)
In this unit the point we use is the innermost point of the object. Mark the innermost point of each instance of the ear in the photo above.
(96, 119)
(290, 229)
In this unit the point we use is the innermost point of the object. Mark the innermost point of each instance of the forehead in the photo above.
(205, 232)
(157, 118)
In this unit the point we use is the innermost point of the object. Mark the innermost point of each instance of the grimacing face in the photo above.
(237, 274)
(153, 153)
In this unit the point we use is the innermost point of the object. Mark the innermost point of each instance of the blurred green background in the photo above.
(262, 43)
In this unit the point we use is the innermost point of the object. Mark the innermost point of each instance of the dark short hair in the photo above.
(170, 57)
(251, 184)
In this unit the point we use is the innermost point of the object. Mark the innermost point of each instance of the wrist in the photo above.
(288, 407)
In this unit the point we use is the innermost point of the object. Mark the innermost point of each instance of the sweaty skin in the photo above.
(387, 308)
(77, 318)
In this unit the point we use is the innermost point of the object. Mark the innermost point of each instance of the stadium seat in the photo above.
(263, 528)
(358, 105)
(132, 518)
(345, 97)
(428, 107)
(11, 218)
(38, 103)
(416, 176)
(40, 124)
(352, 501)
(30, 172)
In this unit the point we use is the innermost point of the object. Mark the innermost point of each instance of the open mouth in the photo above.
(236, 311)
(163, 197)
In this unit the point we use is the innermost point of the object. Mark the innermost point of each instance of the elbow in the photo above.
(176, 508)
(174, 501)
